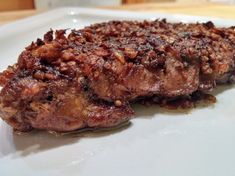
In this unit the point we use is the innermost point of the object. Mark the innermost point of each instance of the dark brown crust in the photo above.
(88, 78)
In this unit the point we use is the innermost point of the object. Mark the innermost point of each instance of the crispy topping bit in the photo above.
(48, 36)
(39, 75)
(131, 53)
(119, 56)
(209, 24)
(71, 63)
(118, 103)
(101, 52)
(67, 56)
(50, 76)
(63, 69)
(96, 74)
(81, 57)
(49, 52)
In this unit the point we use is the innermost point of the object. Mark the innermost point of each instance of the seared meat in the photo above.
(88, 78)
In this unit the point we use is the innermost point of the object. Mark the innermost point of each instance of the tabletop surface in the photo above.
(201, 9)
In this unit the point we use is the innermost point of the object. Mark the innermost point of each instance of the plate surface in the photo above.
(200, 142)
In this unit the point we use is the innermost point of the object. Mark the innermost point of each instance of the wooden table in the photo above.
(202, 9)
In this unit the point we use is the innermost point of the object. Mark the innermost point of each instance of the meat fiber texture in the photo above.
(88, 78)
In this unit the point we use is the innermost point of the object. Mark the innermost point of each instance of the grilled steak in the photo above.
(89, 77)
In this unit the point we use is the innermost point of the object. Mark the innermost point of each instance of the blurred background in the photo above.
(8, 5)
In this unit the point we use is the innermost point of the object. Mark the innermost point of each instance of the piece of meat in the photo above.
(57, 105)
(165, 59)
(89, 77)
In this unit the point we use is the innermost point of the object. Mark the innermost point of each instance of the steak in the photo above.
(89, 77)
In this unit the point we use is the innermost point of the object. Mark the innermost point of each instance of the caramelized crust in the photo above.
(88, 77)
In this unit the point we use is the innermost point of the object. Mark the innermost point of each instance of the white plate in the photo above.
(159, 142)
